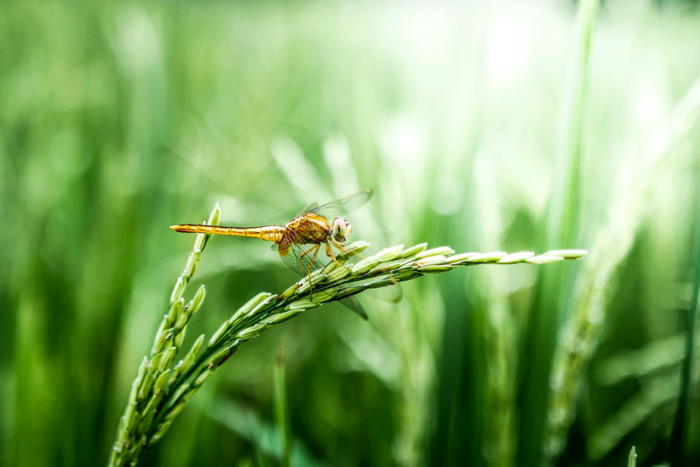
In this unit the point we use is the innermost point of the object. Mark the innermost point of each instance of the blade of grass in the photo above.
(281, 412)
(652, 407)
(246, 423)
(560, 228)
(677, 450)
(611, 245)
(660, 355)
(632, 459)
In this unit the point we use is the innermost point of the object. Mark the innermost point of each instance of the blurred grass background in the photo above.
(120, 119)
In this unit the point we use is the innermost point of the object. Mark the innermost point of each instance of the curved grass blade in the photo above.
(677, 449)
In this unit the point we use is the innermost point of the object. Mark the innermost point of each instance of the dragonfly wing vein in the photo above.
(299, 256)
(343, 205)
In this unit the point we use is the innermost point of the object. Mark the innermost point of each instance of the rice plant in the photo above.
(159, 393)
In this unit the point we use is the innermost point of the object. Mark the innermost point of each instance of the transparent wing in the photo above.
(354, 305)
(301, 258)
(308, 208)
(342, 205)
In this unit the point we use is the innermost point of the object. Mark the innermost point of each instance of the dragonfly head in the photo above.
(340, 229)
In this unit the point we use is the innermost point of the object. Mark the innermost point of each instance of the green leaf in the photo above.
(632, 459)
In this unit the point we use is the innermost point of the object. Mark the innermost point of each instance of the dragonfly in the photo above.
(308, 242)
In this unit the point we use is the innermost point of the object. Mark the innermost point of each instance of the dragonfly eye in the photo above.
(341, 229)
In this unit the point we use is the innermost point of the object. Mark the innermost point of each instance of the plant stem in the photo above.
(280, 402)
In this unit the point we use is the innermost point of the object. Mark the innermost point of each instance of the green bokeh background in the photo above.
(118, 119)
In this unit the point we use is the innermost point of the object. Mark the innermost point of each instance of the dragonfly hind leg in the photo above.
(315, 248)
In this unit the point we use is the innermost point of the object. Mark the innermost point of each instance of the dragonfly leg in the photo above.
(311, 263)
(329, 252)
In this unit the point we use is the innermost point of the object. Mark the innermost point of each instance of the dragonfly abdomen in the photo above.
(271, 233)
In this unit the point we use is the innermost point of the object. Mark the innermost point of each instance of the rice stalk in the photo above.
(267, 310)
(160, 393)
(677, 449)
(560, 228)
(281, 411)
(151, 383)
(611, 245)
(499, 441)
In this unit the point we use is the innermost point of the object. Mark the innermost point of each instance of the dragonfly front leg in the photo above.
(329, 252)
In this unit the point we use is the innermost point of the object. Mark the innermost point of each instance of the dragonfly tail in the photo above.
(272, 233)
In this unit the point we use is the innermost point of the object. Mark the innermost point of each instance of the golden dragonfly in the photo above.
(300, 240)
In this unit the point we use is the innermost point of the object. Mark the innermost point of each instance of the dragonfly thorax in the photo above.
(340, 229)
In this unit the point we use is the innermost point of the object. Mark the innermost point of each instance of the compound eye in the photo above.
(336, 227)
